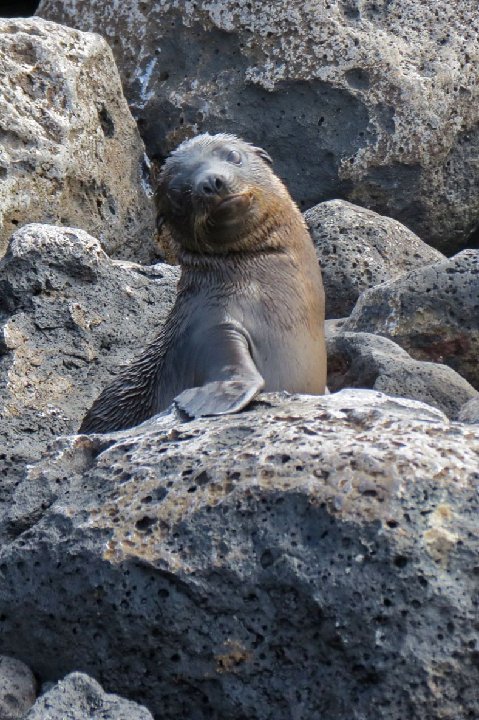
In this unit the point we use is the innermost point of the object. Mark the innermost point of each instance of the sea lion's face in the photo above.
(212, 192)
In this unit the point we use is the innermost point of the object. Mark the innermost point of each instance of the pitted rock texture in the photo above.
(78, 697)
(469, 412)
(374, 102)
(70, 151)
(358, 249)
(431, 312)
(18, 688)
(311, 557)
(362, 360)
(69, 317)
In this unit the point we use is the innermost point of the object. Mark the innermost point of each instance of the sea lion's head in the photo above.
(218, 194)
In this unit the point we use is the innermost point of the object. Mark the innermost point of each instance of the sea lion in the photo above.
(249, 314)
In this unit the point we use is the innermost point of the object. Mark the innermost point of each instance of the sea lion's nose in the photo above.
(210, 184)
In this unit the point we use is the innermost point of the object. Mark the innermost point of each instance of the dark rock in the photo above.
(469, 412)
(362, 360)
(19, 8)
(376, 103)
(358, 249)
(17, 688)
(69, 316)
(311, 557)
(432, 312)
(78, 697)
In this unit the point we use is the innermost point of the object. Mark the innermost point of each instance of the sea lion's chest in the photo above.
(287, 341)
(281, 314)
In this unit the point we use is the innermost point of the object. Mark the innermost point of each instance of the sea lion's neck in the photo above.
(213, 262)
(233, 270)
(276, 234)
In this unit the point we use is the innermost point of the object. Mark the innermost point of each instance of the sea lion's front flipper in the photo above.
(230, 377)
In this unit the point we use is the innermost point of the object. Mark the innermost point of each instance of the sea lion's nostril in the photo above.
(211, 185)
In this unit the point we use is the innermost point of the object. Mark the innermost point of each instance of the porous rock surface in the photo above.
(363, 360)
(69, 317)
(310, 557)
(469, 412)
(358, 249)
(432, 312)
(18, 688)
(70, 151)
(78, 697)
(375, 102)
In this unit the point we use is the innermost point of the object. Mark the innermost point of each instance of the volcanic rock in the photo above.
(78, 697)
(70, 151)
(431, 312)
(358, 249)
(69, 317)
(374, 102)
(362, 360)
(311, 557)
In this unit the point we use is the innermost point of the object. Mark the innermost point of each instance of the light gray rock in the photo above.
(469, 412)
(311, 557)
(69, 317)
(370, 361)
(358, 249)
(374, 102)
(78, 697)
(70, 151)
(17, 688)
(431, 312)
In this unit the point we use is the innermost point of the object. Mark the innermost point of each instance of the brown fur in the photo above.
(249, 275)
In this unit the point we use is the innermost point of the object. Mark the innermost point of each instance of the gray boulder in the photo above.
(18, 688)
(78, 697)
(70, 151)
(431, 312)
(362, 360)
(358, 249)
(311, 557)
(376, 103)
(469, 412)
(69, 316)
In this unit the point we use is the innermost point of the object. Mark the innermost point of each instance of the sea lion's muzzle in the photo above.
(213, 181)
(217, 191)
(232, 207)
(211, 185)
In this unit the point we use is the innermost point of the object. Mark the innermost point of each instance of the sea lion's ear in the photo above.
(160, 221)
(263, 154)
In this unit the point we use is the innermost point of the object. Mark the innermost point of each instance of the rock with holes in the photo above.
(363, 360)
(69, 316)
(375, 102)
(78, 696)
(70, 152)
(358, 249)
(312, 557)
(18, 688)
(432, 312)
(469, 412)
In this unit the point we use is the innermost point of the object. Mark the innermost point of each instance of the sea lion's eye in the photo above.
(234, 157)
